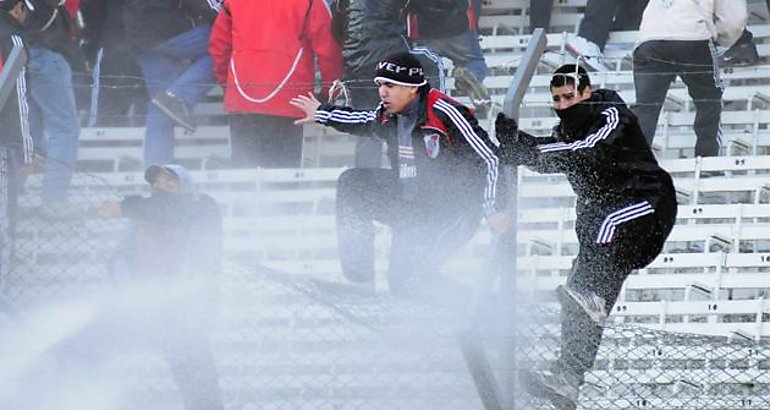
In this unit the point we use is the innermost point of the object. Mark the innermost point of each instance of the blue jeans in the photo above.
(463, 49)
(55, 124)
(182, 66)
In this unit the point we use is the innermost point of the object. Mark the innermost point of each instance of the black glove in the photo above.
(506, 129)
(507, 132)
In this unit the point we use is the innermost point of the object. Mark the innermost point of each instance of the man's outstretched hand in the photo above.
(308, 104)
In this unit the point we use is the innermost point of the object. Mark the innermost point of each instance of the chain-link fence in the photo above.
(280, 341)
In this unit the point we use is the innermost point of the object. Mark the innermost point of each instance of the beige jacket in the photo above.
(719, 20)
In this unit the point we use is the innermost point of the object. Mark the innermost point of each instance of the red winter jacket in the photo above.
(264, 51)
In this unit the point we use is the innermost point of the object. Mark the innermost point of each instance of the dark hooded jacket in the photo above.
(603, 154)
(174, 234)
(368, 30)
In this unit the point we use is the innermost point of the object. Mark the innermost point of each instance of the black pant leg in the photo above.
(421, 244)
(265, 141)
(629, 15)
(597, 21)
(700, 72)
(653, 74)
(364, 195)
(540, 14)
(602, 268)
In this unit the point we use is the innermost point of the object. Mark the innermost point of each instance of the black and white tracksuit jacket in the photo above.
(609, 165)
(455, 165)
(14, 115)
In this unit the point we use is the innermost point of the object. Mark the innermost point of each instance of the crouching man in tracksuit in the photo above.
(626, 207)
(444, 177)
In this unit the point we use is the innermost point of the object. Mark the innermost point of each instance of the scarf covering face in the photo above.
(576, 118)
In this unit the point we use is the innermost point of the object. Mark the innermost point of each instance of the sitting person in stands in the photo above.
(177, 239)
(626, 207)
(445, 178)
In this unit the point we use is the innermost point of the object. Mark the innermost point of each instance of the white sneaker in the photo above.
(592, 304)
(589, 52)
(553, 386)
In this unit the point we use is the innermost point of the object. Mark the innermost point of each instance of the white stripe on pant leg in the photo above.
(639, 214)
(607, 230)
(616, 219)
(609, 218)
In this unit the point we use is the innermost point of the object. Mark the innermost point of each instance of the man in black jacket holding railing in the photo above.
(626, 207)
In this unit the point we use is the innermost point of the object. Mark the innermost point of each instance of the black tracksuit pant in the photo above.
(603, 16)
(613, 241)
(656, 66)
(425, 232)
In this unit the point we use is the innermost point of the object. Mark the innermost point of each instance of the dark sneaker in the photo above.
(591, 303)
(175, 108)
(553, 386)
(741, 55)
(467, 83)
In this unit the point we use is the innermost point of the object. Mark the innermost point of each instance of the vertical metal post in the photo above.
(11, 69)
(507, 243)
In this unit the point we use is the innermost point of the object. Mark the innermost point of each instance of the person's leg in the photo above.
(464, 50)
(51, 90)
(612, 244)
(363, 195)
(265, 141)
(700, 72)
(423, 239)
(629, 16)
(192, 84)
(580, 334)
(121, 87)
(243, 142)
(186, 347)
(540, 14)
(653, 75)
(597, 21)
(158, 72)
(279, 143)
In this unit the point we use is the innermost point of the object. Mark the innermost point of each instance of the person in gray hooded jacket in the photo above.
(176, 238)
